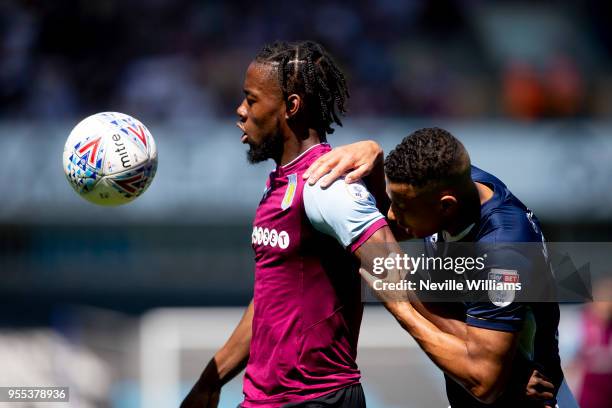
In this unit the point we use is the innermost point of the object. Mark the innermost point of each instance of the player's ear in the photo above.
(448, 204)
(294, 104)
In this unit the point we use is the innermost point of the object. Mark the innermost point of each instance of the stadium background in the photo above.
(125, 305)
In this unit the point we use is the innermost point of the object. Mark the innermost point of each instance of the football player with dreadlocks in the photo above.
(298, 337)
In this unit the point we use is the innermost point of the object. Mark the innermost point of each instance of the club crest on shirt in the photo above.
(357, 191)
(502, 297)
(290, 192)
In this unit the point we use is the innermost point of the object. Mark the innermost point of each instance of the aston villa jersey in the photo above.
(307, 304)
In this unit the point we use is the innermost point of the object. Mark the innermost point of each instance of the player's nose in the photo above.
(391, 215)
(241, 110)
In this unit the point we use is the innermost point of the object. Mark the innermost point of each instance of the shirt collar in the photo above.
(287, 167)
(450, 238)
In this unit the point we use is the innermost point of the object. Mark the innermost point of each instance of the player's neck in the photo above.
(294, 145)
(484, 192)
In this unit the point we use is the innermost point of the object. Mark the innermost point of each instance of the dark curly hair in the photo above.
(428, 155)
(306, 69)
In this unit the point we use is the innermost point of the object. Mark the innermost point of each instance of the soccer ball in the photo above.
(110, 158)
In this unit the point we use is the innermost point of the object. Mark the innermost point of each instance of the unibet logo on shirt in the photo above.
(269, 237)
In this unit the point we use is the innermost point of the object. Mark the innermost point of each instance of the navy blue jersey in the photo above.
(504, 225)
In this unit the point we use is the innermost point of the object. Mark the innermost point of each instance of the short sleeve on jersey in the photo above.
(343, 211)
(489, 316)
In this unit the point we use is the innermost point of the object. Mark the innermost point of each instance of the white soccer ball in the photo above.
(110, 158)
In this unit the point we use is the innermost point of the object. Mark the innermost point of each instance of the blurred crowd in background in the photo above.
(175, 59)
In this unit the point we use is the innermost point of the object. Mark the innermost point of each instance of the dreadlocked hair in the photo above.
(306, 69)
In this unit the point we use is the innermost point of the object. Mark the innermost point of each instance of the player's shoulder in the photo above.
(482, 176)
(504, 218)
(342, 210)
(507, 226)
(339, 188)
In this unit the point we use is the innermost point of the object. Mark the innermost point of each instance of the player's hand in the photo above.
(539, 387)
(202, 396)
(356, 160)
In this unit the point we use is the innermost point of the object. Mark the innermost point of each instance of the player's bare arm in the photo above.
(433, 323)
(225, 365)
(383, 244)
(478, 359)
(481, 363)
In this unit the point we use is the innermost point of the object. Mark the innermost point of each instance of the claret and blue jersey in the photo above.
(307, 297)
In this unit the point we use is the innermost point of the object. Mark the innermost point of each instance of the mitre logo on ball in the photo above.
(110, 158)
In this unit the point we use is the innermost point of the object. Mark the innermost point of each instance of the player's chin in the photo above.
(256, 155)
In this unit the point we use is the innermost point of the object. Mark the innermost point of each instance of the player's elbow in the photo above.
(487, 386)
(485, 393)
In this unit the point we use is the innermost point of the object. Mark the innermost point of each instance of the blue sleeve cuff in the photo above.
(500, 325)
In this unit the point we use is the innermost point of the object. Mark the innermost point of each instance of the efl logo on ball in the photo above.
(110, 158)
